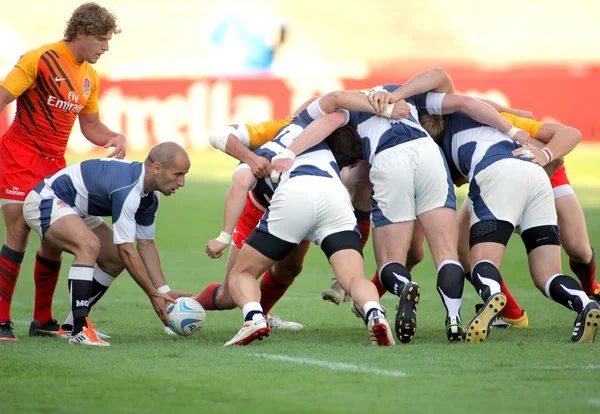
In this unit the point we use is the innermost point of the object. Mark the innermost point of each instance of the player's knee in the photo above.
(17, 233)
(88, 248)
(535, 237)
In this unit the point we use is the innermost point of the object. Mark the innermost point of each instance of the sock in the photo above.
(207, 297)
(586, 273)
(371, 306)
(45, 275)
(512, 309)
(10, 265)
(393, 276)
(80, 286)
(486, 279)
(468, 277)
(100, 285)
(363, 219)
(380, 288)
(252, 311)
(271, 290)
(450, 285)
(566, 291)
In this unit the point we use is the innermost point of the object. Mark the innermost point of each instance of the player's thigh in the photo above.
(291, 266)
(433, 185)
(392, 175)
(391, 242)
(108, 258)
(573, 229)
(347, 265)
(16, 228)
(441, 232)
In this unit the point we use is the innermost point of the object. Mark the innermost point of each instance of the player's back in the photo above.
(473, 146)
(96, 187)
(51, 90)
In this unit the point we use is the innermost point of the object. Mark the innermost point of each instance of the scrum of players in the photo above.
(349, 161)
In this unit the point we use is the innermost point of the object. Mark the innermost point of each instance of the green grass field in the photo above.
(329, 367)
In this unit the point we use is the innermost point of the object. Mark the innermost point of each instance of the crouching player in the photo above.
(58, 207)
(309, 202)
(490, 161)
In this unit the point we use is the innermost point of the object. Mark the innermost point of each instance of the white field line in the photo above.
(595, 402)
(561, 367)
(334, 366)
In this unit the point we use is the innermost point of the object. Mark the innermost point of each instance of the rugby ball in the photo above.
(186, 316)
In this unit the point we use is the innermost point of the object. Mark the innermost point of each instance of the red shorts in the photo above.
(22, 169)
(559, 177)
(249, 220)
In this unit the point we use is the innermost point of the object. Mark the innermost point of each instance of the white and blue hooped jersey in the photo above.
(315, 161)
(472, 146)
(379, 133)
(107, 187)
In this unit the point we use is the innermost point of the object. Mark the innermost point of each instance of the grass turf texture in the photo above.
(329, 367)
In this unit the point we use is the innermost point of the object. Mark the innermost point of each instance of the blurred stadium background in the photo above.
(182, 67)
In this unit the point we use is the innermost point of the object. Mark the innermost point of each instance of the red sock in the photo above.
(586, 273)
(45, 275)
(207, 297)
(363, 218)
(271, 290)
(10, 265)
(380, 289)
(512, 309)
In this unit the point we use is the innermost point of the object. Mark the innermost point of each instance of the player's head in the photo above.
(345, 145)
(166, 166)
(89, 29)
(435, 125)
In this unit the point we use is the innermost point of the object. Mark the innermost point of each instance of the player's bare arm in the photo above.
(243, 181)
(501, 108)
(234, 141)
(5, 98)
(97, 133)
(151, 259)
(553, 141)
(433, 80)
(134, 265)
(482, 112)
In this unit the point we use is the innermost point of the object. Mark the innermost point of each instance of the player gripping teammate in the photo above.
(58, 207)
(53, 84)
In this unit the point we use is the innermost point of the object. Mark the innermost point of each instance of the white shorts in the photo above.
(40, 213)
(515, 191)
(309, 207)
(408, 180)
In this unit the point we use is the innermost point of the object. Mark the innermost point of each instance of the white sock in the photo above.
(252, 307)
(372, 305)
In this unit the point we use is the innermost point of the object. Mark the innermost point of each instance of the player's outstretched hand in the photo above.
(160, 302)
(380, 101)
(401, 110)
(119, 142)
(532, 152)
(260, 166)
(214, 248)
(176, 294)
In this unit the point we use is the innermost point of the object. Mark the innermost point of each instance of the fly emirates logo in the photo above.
(70, 105)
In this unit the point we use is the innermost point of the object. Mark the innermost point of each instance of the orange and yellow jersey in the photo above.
(51, 88)
(265, 131)
(530, 126)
